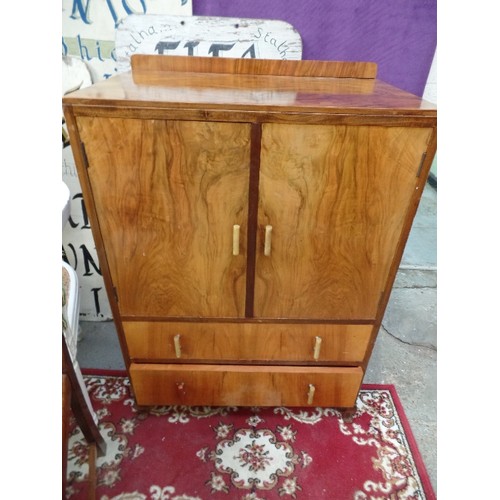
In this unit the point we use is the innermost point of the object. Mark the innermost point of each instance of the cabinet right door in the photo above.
(336, 197)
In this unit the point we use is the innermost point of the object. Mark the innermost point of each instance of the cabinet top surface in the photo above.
(282, 86)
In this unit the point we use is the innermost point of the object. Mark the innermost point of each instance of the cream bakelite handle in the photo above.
(236, 239)
(317, 348)
(267, 241)
(177, 346)
(310, 394)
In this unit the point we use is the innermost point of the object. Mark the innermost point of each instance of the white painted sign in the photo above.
(206, 37)
(88, 28)
(79, 249)
(88, 49)
(78, 244)
(94, 53)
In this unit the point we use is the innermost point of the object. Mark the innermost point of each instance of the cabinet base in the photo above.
(230, 385)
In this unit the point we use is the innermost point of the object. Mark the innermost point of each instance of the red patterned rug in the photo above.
(201, 453)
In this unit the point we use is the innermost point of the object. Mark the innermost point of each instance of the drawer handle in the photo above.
(317, 348)
(267, 241)
(310, 394)
(177, 345)
(236, 239)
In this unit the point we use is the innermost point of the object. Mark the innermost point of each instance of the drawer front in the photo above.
(224, 342)
(230, 385)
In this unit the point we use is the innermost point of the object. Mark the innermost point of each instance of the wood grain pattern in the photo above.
(223, 385)
(208, 91)
(334, 69)
(245, 342)
(337, 198)
(167, 196)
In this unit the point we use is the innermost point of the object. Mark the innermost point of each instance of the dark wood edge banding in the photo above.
(253, 205)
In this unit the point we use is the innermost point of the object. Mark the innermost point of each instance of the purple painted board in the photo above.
(399, 35)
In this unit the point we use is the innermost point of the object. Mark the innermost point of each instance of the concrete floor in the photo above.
(406, 349)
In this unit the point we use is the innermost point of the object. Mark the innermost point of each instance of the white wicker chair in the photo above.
(75, 397)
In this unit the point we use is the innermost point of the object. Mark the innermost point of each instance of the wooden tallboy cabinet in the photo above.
(250, 217)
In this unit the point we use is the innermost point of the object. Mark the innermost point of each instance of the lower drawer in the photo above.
(244, 342)
(232, 385)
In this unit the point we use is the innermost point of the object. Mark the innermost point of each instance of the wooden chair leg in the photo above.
(92, 471)
(76, 399)
(79, 406)
(66, 402)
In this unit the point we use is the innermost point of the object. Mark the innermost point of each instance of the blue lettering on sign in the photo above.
(161, 47)
(84, 51)
(81, 10)
(190, 46)
(250, 51)
(215, 49)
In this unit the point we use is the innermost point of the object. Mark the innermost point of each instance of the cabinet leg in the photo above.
(142, 409)
(347, 414)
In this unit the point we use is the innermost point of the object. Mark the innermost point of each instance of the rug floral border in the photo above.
(241, 461)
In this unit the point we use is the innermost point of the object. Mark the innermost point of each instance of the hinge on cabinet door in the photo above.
(419, 171)
(380, 300)
(84, 155)
(115, 293)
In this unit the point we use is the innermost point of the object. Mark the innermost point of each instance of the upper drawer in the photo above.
(241, 342)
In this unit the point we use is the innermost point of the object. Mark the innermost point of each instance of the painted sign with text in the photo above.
(79, 250)
(205, 37)
(88, 49)
(88, 28)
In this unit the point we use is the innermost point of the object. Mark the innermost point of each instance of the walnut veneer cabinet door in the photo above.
(167, 195)
(336, 198)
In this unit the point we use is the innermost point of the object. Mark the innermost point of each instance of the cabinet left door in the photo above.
(168, 195)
